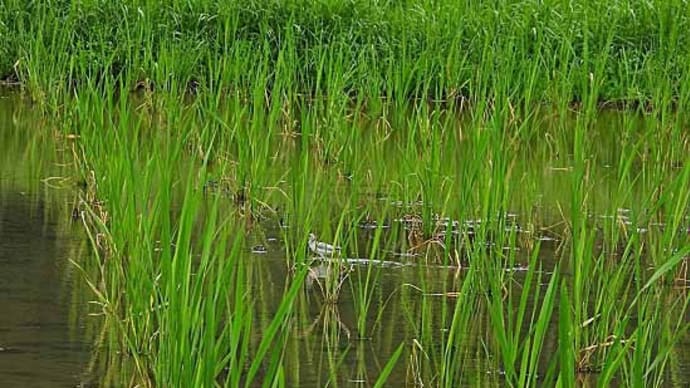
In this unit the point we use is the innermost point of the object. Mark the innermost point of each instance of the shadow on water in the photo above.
(43, 339)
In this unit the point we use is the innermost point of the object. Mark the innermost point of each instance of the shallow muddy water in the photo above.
(42, 333)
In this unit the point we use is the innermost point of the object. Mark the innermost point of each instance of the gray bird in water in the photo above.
(321, 248)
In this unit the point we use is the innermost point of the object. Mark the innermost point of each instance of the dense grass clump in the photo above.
(541, 51)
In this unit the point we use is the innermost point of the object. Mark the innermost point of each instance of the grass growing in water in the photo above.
(470, 133)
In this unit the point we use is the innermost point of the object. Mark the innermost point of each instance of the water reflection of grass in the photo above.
(465, 139)
(47, 304)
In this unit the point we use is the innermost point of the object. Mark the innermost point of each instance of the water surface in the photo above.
(42, 334)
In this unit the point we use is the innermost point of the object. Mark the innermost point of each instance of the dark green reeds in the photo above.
(628, 53)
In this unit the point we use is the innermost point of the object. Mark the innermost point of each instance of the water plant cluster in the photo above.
(538, 50)
(523, 165)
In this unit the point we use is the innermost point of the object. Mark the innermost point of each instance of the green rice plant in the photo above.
(363, 284)
(520, 353)
(313, 190)
(410, 50)
(457, 345)
(194, 265)
(385, 373)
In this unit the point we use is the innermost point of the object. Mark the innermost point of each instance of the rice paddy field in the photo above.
(498, 192)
